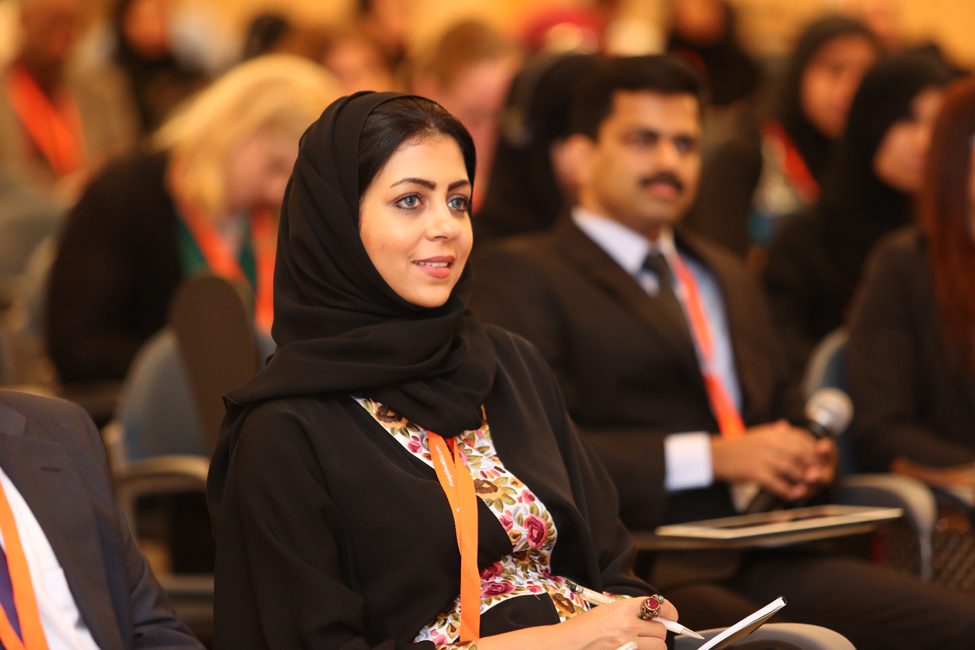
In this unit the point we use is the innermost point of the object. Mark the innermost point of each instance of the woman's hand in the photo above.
(608, 627)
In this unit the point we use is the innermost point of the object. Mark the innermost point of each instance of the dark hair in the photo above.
(405, 120)
(944, 211)
(666, 74)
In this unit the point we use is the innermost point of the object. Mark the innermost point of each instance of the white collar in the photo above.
(626, 246)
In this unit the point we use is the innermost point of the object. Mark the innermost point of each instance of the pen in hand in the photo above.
(596, 598)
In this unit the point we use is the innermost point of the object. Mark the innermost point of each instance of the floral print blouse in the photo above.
(530, 528)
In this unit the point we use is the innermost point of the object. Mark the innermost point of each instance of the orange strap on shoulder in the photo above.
(791, 160)
(55, 131)
(265, 238)
(24, 599)
(222, 262)
(724, 408)
(458, 484)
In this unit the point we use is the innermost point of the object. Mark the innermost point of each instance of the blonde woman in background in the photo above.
(205, 200)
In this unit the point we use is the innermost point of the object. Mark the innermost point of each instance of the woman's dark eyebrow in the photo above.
(430, 185)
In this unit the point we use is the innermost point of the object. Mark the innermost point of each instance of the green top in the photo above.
(193, 262)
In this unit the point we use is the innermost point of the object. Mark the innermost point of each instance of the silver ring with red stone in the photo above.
(650, 609)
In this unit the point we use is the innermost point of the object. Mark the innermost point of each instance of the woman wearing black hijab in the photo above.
(751, 184)
(816, 261)
(706, 33)
(823, 73)
(345, 477)
(526, 193)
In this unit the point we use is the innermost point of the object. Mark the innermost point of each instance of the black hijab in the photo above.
(816, 149)
(732, 73)
(339, 327)
(524, 195)
(857, 208)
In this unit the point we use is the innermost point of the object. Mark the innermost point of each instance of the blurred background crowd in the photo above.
(142, 141)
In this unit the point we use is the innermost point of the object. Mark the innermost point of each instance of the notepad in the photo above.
(745, 626)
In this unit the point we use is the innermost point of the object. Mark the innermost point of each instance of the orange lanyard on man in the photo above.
(54, 130)
(724, 409)
(24, 600)
(791, 161)
(458, 484)
(222, 261)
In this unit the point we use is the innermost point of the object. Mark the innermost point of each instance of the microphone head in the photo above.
(830, 409)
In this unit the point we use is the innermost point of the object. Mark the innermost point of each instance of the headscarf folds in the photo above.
(340, 328)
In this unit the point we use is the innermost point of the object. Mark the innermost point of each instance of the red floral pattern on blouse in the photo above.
(526, 519)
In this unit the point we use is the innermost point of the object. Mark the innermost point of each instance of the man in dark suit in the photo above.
(92, 587)
(668, 360)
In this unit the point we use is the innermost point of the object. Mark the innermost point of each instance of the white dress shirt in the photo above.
(60, 618)
(687, 456)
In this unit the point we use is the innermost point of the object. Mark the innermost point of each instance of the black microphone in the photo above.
(828, 414)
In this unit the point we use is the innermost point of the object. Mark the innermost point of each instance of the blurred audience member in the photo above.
(822, 77)
(204, 201)
(661, 340)
(158, 79)
(704, 32)
(265, 33)
(816, 261)
(386, 23)
(749, 185)
(56, 125)
(358, 62)
(531, 184)
(469, 73)
(911, 357)
(562, 29)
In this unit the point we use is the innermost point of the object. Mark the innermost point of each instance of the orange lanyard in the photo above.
(791, 161)
(55, 132)
(458, 485)
(24, 599)
(724, 409)
(222, 262)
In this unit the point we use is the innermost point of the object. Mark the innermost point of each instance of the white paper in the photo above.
(745, 626)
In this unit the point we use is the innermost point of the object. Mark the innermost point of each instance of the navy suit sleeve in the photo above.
(153, 622)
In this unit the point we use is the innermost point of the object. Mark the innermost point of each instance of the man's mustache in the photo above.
(663, 177)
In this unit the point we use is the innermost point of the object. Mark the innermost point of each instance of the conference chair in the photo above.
(827, 368)
(24, 363)
(26, 219)
(778, 635)
(166, 423)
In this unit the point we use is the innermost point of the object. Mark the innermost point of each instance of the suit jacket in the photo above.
(629, 370)
(52, 452)
(911, 397)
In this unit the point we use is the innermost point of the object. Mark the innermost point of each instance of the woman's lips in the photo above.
(437, 267)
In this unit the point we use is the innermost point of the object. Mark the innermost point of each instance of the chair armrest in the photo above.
(897, 491)
(892, 491)
(158, 475)
(807, 637)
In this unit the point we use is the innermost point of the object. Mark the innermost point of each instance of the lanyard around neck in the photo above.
(458, 484)
(791, 161)
(55, 131)
(725, 411)
(24, 599)
(224, 263)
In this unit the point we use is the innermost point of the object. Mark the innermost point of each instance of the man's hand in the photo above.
(784, 459)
